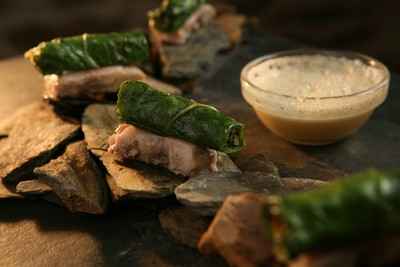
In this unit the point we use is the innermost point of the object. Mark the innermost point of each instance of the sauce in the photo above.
(314, 99)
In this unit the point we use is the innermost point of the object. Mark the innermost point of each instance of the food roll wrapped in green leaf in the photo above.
(359, 208)
(179, 117)
(172, 14)
(89, 51)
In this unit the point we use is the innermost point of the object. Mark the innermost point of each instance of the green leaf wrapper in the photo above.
(173, 14)
(359, 208)
(178, 117)
(89, 51)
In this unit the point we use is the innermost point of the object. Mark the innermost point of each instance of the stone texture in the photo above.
(37, 136)
(139, 180)
(21, 85)
(33, 188)
(205, 193)
(238, 233)
(183, 225)
(98, 124)
(293, 184)
(196, 57)
(76, 179)
(128, 180)
(376, 145)
(7, 192)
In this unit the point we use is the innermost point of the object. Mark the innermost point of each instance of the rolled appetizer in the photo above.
(175, 20)
(356, 209)
(89, 51)
(308, 228)
(172, 131)
(90, 67)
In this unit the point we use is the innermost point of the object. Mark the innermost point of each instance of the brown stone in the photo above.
(238, 233)
(33, 188)
(182, 224)
(196, 56)
(37, 135)
(232, 24)
(139, 180)
(98, 124)
(76, 179)
(126, 180)
(7, 192)
(293, 184)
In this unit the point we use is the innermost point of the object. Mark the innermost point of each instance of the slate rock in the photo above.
(205, 193)
(36, 136)
(238, 232)
(183, 225)
(294, 184)
(128, 180)
(139, 180)
(33, 188)
(193, 59)
(7, 192)
(99, 122)
(257, 163)
(76, 179)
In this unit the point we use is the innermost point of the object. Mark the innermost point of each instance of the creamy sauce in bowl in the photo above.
(314, 97)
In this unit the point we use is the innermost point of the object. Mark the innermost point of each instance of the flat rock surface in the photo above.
(36, 136)
(41, 234)
(139, 180)
(76, 179)
(196, 57)
(98, 124)
(33, 188)
(6, 192)
(183, 225)
(205, 193)
(128, 180)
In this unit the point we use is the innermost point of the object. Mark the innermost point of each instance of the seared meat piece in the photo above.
(91, 84)
(180, 157)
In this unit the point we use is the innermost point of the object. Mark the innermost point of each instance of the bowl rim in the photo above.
(370, 61)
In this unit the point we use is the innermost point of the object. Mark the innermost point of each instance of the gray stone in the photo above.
(36, 136)
(183, 225)
(98, 124)
(76, 179)
(126, 180)
(194, 58)
(33, 188)
(205, 193)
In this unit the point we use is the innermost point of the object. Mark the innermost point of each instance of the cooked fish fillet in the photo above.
(180, 157)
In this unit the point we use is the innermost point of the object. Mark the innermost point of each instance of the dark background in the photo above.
(366, 26)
